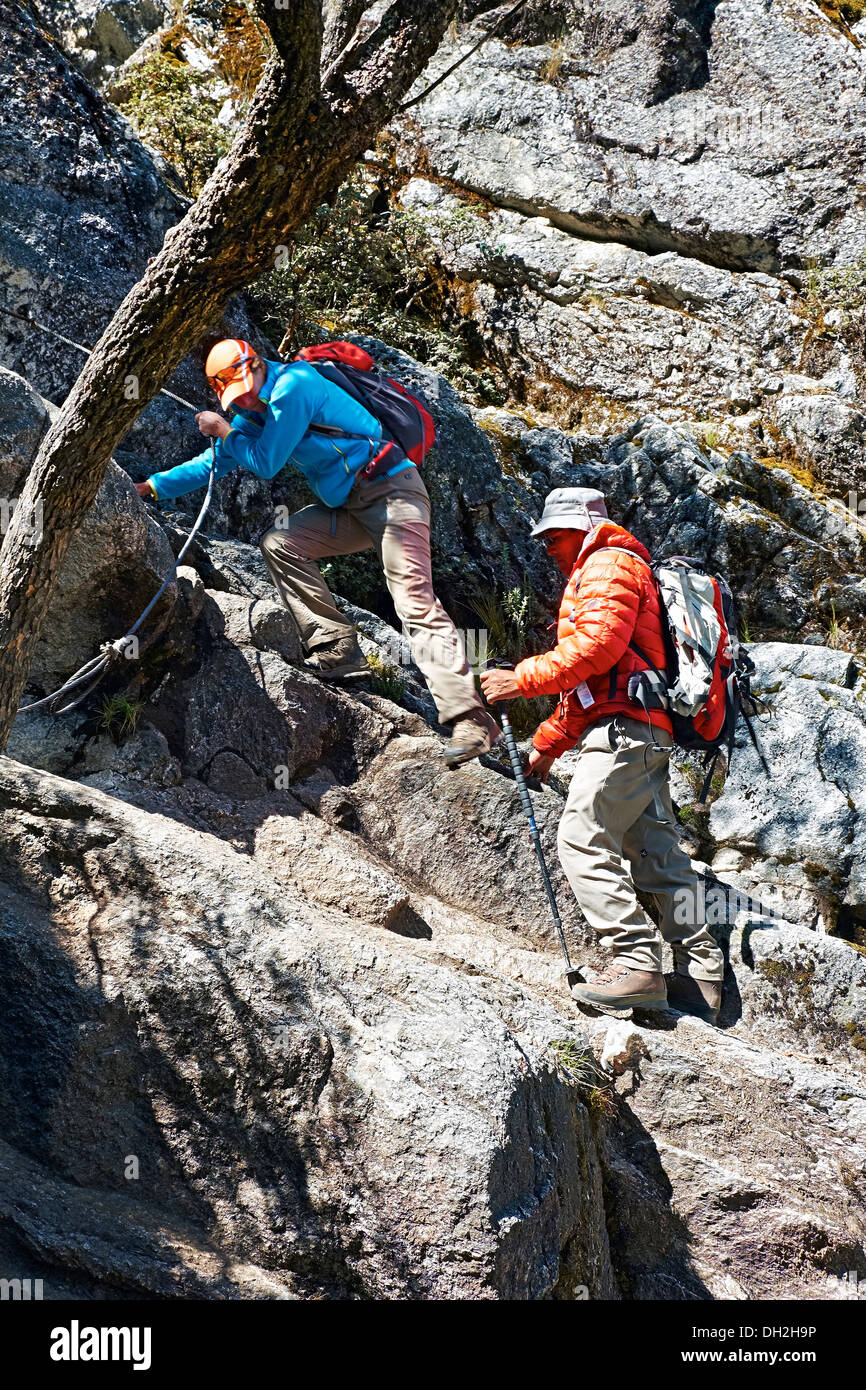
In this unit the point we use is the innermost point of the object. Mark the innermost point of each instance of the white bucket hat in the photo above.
(575, 508)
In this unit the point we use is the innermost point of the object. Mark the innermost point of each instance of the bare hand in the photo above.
(144, 490)
(499, 685)
(538, 764)
(212, 425)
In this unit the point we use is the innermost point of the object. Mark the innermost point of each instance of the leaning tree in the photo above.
(329, 88)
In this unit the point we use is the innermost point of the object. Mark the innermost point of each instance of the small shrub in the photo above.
(362, 266)
(586, 1074)
(168, 106)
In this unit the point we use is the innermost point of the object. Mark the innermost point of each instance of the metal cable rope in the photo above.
(93, 671)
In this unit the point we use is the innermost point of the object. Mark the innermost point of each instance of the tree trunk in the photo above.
(301, 137)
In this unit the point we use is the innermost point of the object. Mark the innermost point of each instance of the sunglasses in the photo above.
(226, 377)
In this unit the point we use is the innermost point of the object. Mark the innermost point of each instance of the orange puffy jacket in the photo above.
(609, 600)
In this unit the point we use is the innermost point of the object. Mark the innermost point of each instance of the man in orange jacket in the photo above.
(618, 829)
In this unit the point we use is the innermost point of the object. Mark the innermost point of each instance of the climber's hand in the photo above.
(499, 685)
(537, 764)
(212, 425)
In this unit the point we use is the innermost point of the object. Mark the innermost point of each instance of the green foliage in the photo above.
(386, 679)
(840, 287)
(168, 107)
(120, 716)
(506, 621)
(362, 266)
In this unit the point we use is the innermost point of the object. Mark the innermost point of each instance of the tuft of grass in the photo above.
(709, 436)
(506, 620)
(834, 638)
(386, 679)
(585, 1073)
(840, 287)
(552, 68)
(120, 716)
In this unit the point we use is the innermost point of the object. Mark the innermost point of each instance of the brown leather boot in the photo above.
(338, 661)
(703, 998)
(472, 734)
(621, 987)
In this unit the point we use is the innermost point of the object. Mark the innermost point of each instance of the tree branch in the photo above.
(374, 71)
(341, 20)
(296, 29)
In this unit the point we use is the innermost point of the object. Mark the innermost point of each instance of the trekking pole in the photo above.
(572, 973)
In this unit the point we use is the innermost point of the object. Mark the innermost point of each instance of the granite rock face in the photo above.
(101, 34)
(666, 126)
(626, 201)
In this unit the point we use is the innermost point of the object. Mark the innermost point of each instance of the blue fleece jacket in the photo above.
(296, 397)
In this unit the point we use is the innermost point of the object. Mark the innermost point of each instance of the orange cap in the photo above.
(228, 369)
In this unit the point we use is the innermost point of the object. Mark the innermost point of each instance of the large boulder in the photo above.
(114, 564)
(672, 127)
(308, 1107)
(798, 837)
(240, 1087)
(587, 329)
(637, 208)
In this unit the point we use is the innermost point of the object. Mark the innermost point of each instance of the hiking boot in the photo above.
(621, 987)
(472, 734)
(338, 661)
(703, 998)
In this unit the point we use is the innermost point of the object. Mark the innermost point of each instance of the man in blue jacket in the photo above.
(273, 408)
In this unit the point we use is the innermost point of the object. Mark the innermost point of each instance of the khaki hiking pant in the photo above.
(619, 831)
(392, 515)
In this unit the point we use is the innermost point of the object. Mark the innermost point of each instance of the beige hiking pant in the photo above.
(619, 830)
(393, 515)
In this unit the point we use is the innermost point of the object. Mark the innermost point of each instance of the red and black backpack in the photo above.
(406, 422)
